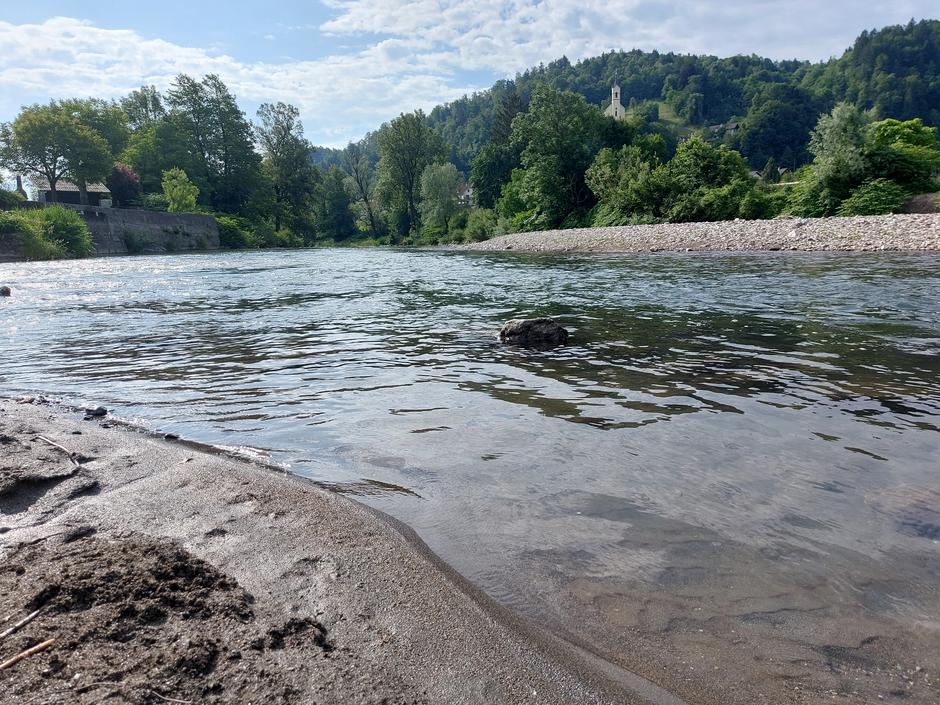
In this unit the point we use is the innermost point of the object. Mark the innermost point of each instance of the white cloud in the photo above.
(416, 50)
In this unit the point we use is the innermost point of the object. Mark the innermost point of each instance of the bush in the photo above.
(34, 240)
(9, 199)
(63, 225)
(875, 197)
(180, 192)
(481, 225)
(231, 233)
(155, 202)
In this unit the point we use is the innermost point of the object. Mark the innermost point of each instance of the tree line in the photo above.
(536, 151)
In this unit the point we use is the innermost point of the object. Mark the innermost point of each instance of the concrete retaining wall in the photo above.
(117, 231)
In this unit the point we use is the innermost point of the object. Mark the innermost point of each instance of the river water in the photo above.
(736, 459)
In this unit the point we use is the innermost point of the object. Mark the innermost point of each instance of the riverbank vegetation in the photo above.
(47, 233)
(704, 139)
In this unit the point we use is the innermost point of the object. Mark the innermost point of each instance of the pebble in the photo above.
(899, 233)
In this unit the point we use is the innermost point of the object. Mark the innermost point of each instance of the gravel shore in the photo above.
(165, 573)
(908, 232)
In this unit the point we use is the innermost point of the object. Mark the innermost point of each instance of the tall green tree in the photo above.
(38, 142)
(440, 190)
(286, 162)
(335, 219)
(219, 139)
(558, 138)
(406, 146)
(361, 185)
(181, 193)
(143, 107)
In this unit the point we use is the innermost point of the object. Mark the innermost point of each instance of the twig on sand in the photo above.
(22, 623)
(62, 448)
(169, 700)
(26, 654)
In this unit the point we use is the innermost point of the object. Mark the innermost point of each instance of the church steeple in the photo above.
(615, 110)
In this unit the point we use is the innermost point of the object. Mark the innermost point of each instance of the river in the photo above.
(729, 480)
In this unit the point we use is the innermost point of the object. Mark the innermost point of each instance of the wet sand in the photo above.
(169, 574)
(165, 571)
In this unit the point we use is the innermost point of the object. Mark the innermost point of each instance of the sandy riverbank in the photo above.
(169, 574)
(908, 232)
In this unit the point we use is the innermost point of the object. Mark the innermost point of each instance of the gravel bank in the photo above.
(165, 573)
(908, 232)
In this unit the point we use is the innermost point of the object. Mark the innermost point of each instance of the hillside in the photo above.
(894, 71)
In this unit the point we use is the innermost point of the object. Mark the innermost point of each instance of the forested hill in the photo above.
(894, 71)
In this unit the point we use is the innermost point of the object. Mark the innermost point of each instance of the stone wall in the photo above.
(118, 231)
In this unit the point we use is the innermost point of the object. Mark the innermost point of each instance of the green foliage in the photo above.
(875, 197)
(63, 225)
(9, 199)
(440, 187)
(179, 191)
(286, 164)
(232, 234)
(48, 233)
(334, 217)
(406, 145)
(702, 182)
(558, 138)
(155, 202)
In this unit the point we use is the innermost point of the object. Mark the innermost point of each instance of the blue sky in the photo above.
(350, 65)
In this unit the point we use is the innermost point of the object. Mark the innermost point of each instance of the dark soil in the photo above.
(138, 621)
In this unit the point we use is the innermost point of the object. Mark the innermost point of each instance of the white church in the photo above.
(616, 109)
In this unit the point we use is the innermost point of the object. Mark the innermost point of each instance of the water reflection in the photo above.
(721, 428)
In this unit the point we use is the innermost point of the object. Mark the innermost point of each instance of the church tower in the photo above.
(615, 110)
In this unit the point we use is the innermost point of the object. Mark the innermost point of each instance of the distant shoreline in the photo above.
(914, 232)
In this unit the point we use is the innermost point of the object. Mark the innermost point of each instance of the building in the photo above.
(67, 192)
(465, 195)
(615, 109)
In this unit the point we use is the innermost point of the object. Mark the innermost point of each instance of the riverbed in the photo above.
(727, 482)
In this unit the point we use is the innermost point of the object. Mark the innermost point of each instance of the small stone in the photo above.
(6, 291)
(538, 333)
(96, 411)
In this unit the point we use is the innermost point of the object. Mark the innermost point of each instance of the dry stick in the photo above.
(25, 654)
(62, 448)
(169, 700)
(22, 623)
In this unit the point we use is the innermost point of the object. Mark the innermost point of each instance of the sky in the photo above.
(350, 65)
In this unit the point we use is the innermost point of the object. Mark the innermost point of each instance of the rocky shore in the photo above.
(137, 569)
(898, 233)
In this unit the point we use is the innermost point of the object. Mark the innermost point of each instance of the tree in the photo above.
(180, 192)
(105, 118)
(143, 107)
(406, 147)
(361, 184)
(778, 126)
(286, 162)
(37, 142)
(559, 137)
(124, 184)
(218, 138)
(440, 189)
(334, 214)
(770, 174)
(838, 147)
(88, 157)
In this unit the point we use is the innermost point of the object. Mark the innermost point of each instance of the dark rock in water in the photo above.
(96, 411)
(538, 333)
(6, 291)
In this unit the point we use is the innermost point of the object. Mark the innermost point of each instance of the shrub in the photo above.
(875, 197)
(180, 192)
(155, 202)
(231, 233)
(60, 224)
(124, 185)
(9, 199)
(11, 222)
(481, 225)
